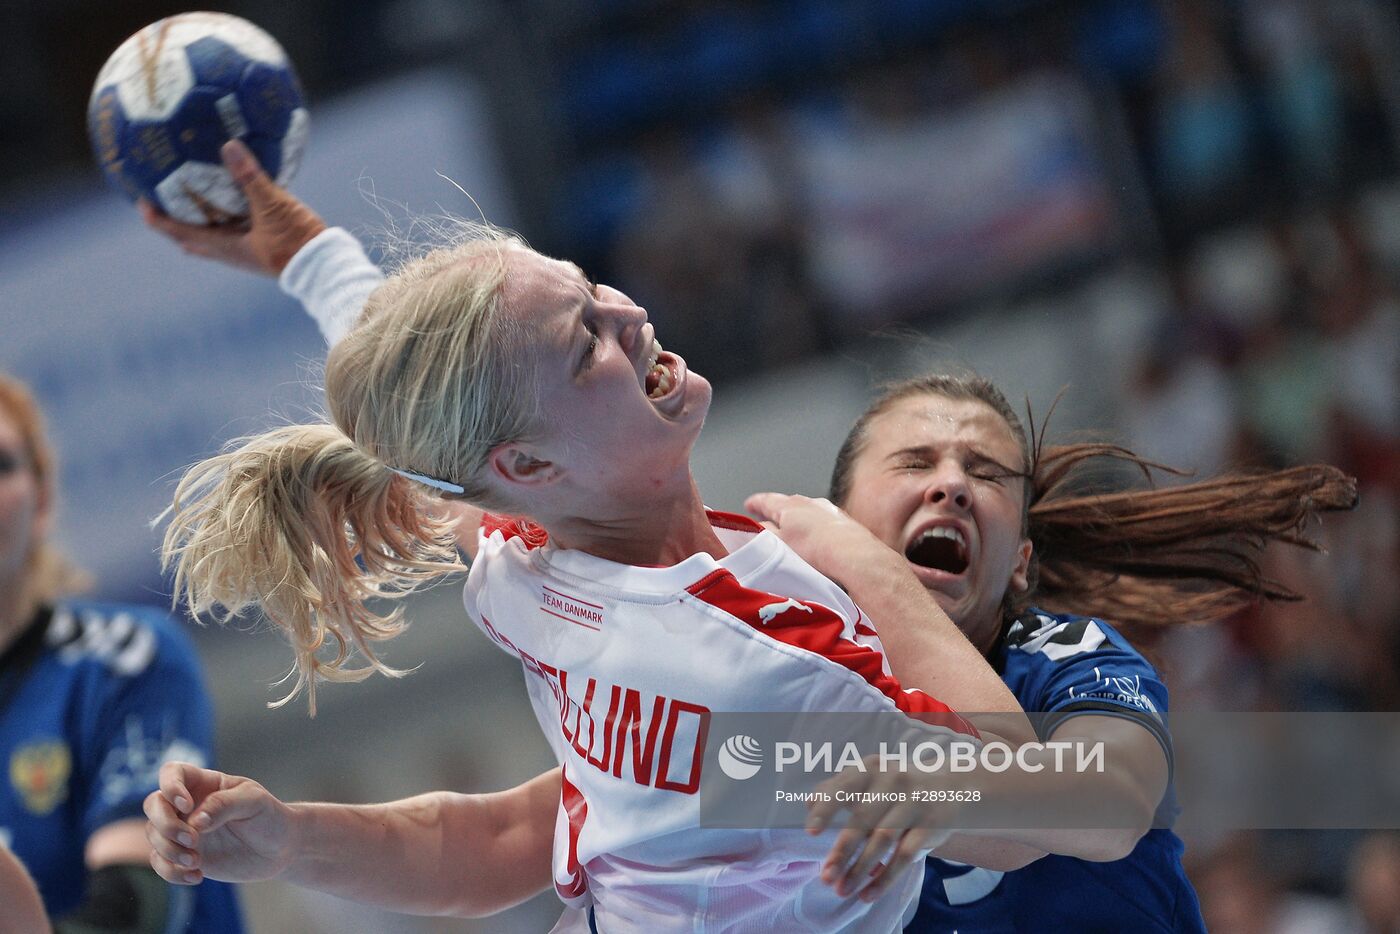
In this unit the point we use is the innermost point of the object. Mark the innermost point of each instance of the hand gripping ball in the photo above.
(172, 94)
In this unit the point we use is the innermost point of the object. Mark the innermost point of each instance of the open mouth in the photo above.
(661, 376)
(942, 548)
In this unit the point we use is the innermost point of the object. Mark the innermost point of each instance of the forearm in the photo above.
(332, 278)
(434, 854)
(395, 855)
(1131, 818)
(1090, 815)
(926, 650)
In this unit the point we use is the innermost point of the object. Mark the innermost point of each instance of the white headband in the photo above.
(433, 482)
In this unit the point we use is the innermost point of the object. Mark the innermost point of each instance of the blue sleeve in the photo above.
(150, 707)
(1083, 666)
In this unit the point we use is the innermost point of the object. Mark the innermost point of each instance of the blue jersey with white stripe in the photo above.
(104, 695)
(1066, 666)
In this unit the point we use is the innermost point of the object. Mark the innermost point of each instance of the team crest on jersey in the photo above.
(39, 773)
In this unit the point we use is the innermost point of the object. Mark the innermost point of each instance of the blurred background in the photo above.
(1184, 213)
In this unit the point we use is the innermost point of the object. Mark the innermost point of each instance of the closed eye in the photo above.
(590, 351)
(984, 468)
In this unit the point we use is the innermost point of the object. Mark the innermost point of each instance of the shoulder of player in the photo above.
(128, 639)
(1061, 663)
(809, 632)
(1060, 636)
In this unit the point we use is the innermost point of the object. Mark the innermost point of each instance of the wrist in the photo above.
(281, 253)
(296, 851)
(859, 560)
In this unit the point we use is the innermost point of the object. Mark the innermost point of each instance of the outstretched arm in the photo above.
(434, 854)
(322, 267)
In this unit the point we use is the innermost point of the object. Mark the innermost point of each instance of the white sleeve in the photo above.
(332, 277)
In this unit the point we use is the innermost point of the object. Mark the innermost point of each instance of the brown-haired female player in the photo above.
(1017, 545)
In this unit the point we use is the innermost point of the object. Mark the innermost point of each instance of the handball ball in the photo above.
(174, 93)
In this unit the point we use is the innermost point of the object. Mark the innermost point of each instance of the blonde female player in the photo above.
(490, 374)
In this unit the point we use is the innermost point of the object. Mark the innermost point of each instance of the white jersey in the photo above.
(623, 662)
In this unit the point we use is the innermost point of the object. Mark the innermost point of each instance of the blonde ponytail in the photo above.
(301, 524)
(309, 523)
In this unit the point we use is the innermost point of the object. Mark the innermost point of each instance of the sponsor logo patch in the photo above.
(570, 608)
(768, 612)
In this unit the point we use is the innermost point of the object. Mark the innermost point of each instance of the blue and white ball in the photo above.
(175, 92)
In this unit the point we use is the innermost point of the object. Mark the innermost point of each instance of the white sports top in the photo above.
(623, 662)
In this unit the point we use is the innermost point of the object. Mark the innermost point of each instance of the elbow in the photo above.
(1010, 860)
(1114, 843)
(992, 853)
(486, 901)
(472, 909)
(1106, 846)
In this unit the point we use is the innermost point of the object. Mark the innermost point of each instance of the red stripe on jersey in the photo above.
(822, 631)
(732, 521)
(514, 527)
(576, 807)
(533, 536)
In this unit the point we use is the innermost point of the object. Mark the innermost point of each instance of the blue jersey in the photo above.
(95, 698)
(1065, 666)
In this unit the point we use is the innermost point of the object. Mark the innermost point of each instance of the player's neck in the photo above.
(983, 634)
(656, 533)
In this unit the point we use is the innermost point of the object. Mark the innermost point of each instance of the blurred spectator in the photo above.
(1360, 322)
(1240, 895)
(1202, 134)
(1279, 341)
(1180, 410)
(1373, 884)
(1301, 90)
(713, 255)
